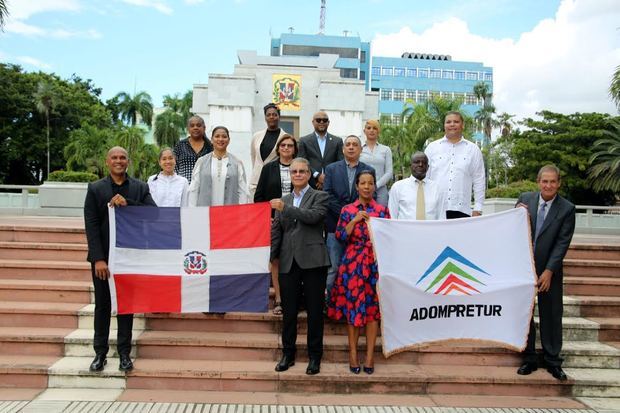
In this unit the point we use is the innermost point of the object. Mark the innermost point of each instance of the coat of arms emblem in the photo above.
(195, 262)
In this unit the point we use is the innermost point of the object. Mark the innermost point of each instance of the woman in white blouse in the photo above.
(167, 188)
(218, 177)
(379, 157)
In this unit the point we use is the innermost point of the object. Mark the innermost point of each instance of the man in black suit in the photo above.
(339, 184)
(297, 240)
(552, 221)
(320, 148)
(115, 190)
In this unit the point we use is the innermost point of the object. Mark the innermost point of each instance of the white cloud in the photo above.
(19, 27)
(193, 1)
(23, 9)
(31, 61)
(158, 5)
(563, 64)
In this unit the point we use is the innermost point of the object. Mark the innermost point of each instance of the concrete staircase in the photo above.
(46, 319)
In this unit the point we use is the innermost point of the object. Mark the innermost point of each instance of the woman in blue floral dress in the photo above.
(354, 294)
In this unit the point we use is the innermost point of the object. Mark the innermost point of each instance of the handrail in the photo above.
(25, 191)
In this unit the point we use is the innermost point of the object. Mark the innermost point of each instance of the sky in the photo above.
(557, 55)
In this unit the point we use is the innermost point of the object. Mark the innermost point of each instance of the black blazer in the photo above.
(269, 184)
(555, 235)
(96, 220)
(309, 149)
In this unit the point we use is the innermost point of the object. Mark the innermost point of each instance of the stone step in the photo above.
(39, 314)
(593, 306)
(79, 343)
(34, 341)
(46, 290)
(609, 329)
(43, 251)
(267, 346)
(259, 376)
(593, 252)
(595, 382)
(38, 233)
(86, 319)
(25, 371)
(591, 268)
(45, 270)
(592, 286)
(72, 372)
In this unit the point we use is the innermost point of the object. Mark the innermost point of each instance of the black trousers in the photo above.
(550, 309)
(103, 308)
(456, 214)
(312, 282)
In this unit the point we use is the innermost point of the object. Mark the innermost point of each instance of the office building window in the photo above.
(395, 119)
(362, 75)
(435, 94)
(412, 73)
(399, 71)
(472, 75)
(386, 94)
(435, 74)
(423, 73)
(471, 99)
(362, 56)
(376, 71)
(410, 95)
(459, 75)
(387, 71)
(348, 73)
(460, 96)
(488, 76)
(447, 74)
(422, 96)
(399, 95)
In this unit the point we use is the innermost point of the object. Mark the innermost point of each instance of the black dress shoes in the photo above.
(285, 362)
(557, 372)
(125, 364)
(98, 362)
(314, 367)
(527, 368)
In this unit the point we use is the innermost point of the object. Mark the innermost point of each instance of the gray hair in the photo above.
(301, 160)
(353, 136)
(195, 117)
(548, 168)
(413, 155)
(117, 148)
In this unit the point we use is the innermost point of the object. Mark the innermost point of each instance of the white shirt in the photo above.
(169, 190)
(456, 168)
(404, 195)
(297, 198)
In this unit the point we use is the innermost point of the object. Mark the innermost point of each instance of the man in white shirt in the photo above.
(456, 165)
(416, 197)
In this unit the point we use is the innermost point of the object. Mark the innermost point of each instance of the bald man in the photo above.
(115, 190)
(320, 148)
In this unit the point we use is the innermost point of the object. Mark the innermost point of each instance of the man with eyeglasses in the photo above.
(320, 148)
(416, 197)
(297, 240)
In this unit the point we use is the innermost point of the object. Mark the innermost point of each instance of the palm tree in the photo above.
(169, 127)
(505, 123)
(605, 170)
(87, 149)
(181, 105)
(4, 13)
(132, 106)
(485, 115)
(132, 139)
(45, 99)
(614, 87)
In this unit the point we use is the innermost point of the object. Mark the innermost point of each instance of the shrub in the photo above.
(512, 190)
(72, 176)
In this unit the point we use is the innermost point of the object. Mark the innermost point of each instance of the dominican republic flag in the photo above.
(185, 260)
(464, 280)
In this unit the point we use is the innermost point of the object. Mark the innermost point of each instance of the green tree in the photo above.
(145, 162)
(505, 123)
(180, 104)
(614, 87)
(567, 142)
(605, 171)
(45, 99)
(4, 13)
(132, 139)
(484, 117)
(169, 127)
(87, 149)
(130, 107)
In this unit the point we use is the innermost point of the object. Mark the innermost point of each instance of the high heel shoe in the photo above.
(369, 370)
(354, 370)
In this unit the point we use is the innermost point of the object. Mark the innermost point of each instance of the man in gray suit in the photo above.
(552, 221)
(320, 148)
(297, 240)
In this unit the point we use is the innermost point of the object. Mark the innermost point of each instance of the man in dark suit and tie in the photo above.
(115, 190)
(320, 148)
(552, 221)
(297, 240)
(339, 184)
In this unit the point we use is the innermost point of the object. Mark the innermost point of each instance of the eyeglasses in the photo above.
(321, 120)
(287, 145)
(298, 171)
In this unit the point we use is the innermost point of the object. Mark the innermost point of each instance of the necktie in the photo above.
(540, 218)
(420, 206)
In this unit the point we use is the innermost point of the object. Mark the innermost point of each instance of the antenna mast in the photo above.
(322, 19)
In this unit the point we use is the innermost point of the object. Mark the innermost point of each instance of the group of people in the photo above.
(322, 190)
